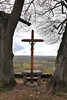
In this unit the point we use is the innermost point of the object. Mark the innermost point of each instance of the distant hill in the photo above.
(22, 58)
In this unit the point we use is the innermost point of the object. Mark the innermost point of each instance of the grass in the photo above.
(47, 67)
(48, 70)
(47, 64)
(26, 66)
(64, 90)
(4, 88)
(61, 92)
(17, 65)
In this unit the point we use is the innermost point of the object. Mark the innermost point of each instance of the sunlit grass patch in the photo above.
(26, 66)
(48, 70)
(17, 65)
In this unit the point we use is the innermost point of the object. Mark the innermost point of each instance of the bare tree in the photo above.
(8, 23)
(54, 16)
(10, 14)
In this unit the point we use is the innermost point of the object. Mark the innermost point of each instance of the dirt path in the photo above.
(21, 92)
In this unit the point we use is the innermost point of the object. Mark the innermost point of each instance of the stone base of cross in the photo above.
(36, 76)
(32, 41)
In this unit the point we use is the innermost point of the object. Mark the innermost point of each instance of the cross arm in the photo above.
(26, 40)
(32, 40)
(38, 40)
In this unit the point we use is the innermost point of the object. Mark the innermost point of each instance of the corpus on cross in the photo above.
(32, 41)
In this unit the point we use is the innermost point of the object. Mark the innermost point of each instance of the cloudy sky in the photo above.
(40, 48)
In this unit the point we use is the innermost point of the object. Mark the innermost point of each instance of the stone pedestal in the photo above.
(24, 79)
(36, 73)
(39, 80)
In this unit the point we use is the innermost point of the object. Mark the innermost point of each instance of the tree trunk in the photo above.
(60, 75)
(6, 55)
(1, 48)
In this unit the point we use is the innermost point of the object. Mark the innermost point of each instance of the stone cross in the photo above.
(32, 41)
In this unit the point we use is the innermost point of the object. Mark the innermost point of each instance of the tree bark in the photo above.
(1, 42)
(60, 75)
(6, 55)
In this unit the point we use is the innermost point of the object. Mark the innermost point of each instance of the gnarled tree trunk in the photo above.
(60, 75)
(7, 28)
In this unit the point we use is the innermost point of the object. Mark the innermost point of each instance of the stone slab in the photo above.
(35, 72)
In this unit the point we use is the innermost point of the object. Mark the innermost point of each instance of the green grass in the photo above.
(47, 66)
(26, 66)
(48, 70)
(17, 65)
(64, 90)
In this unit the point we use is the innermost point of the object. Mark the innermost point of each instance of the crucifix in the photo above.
(32, 41)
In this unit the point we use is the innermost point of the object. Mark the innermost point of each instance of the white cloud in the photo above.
(24, 48)
(17, 47)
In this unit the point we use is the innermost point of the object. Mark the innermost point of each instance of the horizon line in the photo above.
(35, 55)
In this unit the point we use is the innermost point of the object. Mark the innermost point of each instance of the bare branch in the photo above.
(56, 6)
(64, 4)
(60, 24)
(24, 21)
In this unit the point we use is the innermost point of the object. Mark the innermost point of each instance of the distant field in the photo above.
(44, 63)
